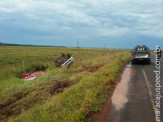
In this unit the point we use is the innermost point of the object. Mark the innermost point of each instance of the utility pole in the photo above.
(78, 44)
(23, 66)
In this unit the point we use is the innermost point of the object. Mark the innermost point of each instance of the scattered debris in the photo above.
(65, 60)
(31, 76)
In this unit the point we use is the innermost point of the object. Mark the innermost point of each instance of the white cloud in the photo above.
(106, 18)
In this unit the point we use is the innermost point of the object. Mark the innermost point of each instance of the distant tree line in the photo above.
(11, 44)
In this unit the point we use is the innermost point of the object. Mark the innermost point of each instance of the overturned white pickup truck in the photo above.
(65, 60)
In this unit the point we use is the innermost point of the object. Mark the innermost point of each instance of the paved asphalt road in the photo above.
(141, 91)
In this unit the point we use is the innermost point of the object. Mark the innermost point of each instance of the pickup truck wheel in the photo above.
(132, 62)
(149, 62)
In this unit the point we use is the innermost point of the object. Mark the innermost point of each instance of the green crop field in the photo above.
(60, 94)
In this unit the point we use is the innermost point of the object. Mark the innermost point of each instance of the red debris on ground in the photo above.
(31, 76)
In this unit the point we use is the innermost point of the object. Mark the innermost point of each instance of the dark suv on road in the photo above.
(141, 54)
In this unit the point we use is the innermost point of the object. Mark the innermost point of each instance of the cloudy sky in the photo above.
(113, 23)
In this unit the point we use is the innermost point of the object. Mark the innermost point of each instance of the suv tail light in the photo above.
(132, 55)
(149, 54)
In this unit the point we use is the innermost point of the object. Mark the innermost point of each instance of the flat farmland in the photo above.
(60, 94)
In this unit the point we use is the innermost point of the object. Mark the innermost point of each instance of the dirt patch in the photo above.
(20, 102)
(103, 114)
(11, 100)
(59, 87)
(119, 97)
(91, 68)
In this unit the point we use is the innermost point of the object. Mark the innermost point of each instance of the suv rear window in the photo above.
(141, 49)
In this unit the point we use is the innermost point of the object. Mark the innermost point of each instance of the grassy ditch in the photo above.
(76, 102)
(9, 77)
(61, 94)
(11, 72)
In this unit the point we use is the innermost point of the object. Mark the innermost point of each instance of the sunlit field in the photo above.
(61, 94)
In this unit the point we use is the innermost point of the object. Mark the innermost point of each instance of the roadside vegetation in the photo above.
(61, 94)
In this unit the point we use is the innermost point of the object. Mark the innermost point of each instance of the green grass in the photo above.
(93, 72)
